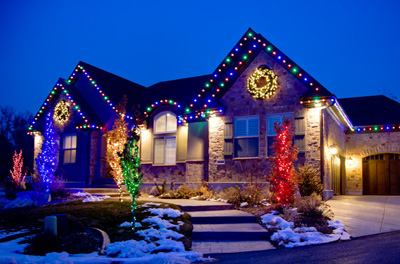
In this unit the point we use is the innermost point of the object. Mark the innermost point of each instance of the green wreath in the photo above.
(262, 83)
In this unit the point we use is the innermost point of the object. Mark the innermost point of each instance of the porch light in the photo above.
(333, 150)
(349, 162)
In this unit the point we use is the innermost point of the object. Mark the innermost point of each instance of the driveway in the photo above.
(367, 215)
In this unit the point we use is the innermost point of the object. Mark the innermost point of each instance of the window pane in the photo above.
(240, 127)
(159, 151)
(171, 123)
(271, 121)
(170, 150)
(252, 127)
(67, 142)
(252, 147)
(160, 124)
(67, 156)
(270, 142)
(73, 142)
(73, 156)
(246, 147)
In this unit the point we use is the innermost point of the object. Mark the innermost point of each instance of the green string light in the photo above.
(130, 164)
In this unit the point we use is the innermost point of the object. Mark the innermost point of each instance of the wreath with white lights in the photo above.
(262, 83)
(61, 112)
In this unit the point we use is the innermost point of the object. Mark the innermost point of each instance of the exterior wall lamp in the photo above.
(333, 150)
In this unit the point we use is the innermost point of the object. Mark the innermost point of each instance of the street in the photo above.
(382, 248)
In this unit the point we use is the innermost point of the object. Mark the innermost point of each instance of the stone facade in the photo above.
(176, 173)
(333, 137)
(359, 146)
(239, 102)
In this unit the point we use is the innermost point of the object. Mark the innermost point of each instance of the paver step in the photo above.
(192, 208)
(221, 217)
(239, 232)
(213, 247)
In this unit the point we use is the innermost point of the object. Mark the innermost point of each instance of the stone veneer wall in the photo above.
(239, 102)
(359, 146)
(175, 173)
(333, 135)
(195, 171)
(313, 138)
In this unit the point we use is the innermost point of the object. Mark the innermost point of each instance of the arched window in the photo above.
(165, 126)
(165, 122)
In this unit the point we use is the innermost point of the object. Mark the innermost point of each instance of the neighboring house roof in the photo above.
(372, 110)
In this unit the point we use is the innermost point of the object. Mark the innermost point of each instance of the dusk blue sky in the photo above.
(350, 47)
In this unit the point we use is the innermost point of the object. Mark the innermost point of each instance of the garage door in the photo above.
(381, 174)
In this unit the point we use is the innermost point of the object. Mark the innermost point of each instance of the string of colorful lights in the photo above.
(54, 93)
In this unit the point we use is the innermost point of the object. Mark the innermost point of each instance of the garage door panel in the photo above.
(381, 174)
(394, 176)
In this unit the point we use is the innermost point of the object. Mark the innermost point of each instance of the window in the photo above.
(246, 135)
(165, 150)
(165, 126)
(165, 123)
(271, 120)
(69, 148)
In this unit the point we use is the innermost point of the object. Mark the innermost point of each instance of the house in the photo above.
(219, 127)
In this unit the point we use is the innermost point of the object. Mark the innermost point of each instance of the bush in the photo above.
(251, 194)
(314, 212)
(201, 191)
(57, 188)
(310, 181)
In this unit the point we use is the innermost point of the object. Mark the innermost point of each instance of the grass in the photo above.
(106, 215)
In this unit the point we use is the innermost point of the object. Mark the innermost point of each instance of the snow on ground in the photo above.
(165, 211)
(81, 194)
(161, 238)
(244, 204)
(92, 198)
(129, 224)
(290, 237)
(5, 233)
(149, 204)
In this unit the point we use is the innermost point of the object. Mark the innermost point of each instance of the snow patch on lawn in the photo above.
(5, 233)
(81, 194)
(165, 211)
(149, 204)
(92, 198)
(290, 237)
(129, 224)
(156, 221)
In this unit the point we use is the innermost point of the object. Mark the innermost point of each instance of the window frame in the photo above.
(70, 149)
(235, 138)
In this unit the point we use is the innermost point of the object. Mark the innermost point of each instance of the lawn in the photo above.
(106, 215)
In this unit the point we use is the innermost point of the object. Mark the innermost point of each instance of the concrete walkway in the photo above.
(367, 215)
(218, 228)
